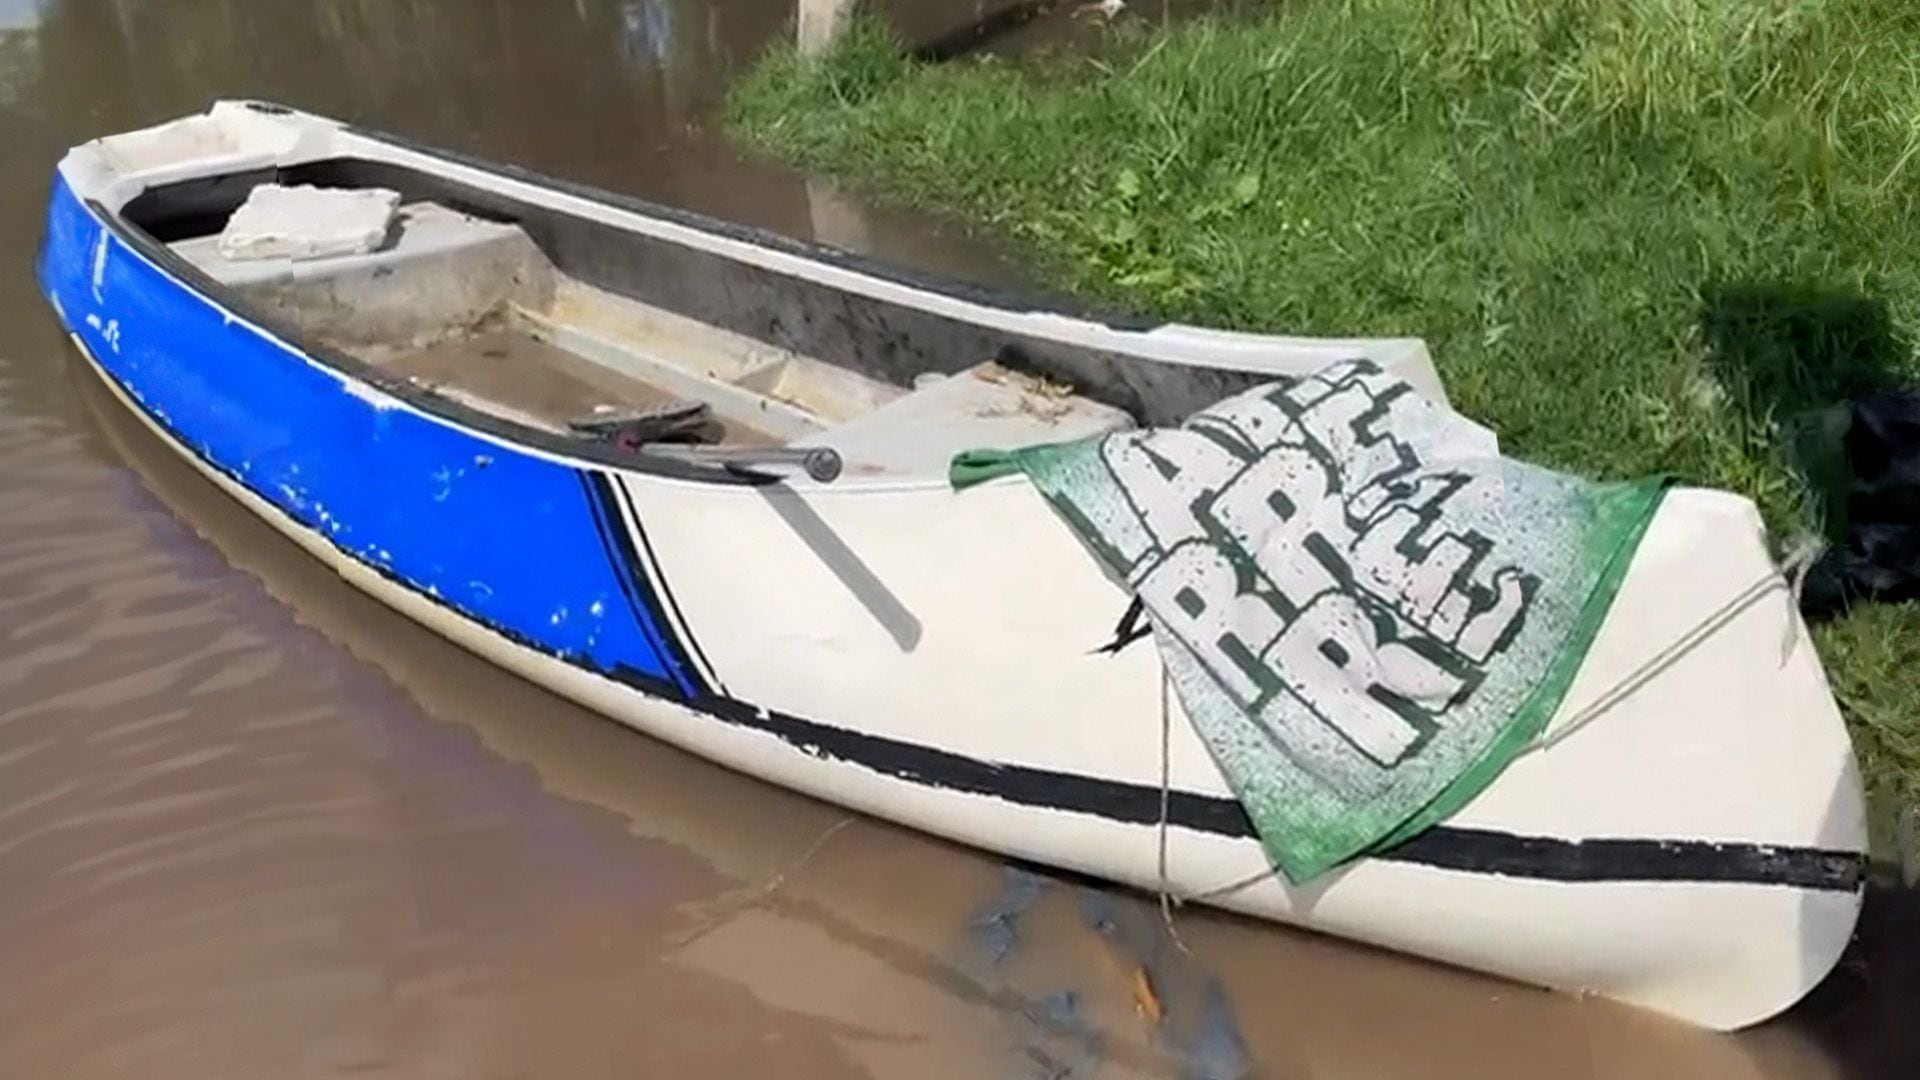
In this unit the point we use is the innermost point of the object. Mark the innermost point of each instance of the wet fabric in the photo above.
(1365, 609)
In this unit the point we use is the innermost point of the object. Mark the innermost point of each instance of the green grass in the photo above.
(1640, 235)
(1872, 658)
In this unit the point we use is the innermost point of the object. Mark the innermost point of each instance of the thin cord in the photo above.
(773, 884)
(1166, 800)
(1671, 654)
(1796, 569)
(1792, 574)
(710, 912)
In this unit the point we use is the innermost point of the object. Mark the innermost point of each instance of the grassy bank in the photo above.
(1640, 235)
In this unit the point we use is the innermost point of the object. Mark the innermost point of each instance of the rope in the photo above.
(1169, 898)
(773, 884)
(1795, 569)
(709, 913)
(1166, 800)
(1792, 574)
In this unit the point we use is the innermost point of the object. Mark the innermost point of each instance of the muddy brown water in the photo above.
(253, 824)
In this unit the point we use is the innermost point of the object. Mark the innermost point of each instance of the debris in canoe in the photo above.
(680, 421)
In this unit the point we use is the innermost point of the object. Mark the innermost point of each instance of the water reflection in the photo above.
(649, 29)
(818, 22)
(19, 14)
(613, 92)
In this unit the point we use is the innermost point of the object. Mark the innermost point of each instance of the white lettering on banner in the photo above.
(1165, 482)
(1489, 630)
(1227, 624)
(1254, 421)
(1296, 546)
(1416, 588)
(1353, 426)
(1336, 660)
(1271, 494)
(1418, 574)
(1268, 511)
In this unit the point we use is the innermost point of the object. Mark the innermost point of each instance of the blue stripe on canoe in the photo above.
(504, 537)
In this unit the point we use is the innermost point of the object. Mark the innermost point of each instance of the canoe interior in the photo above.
(544, 317)
(473, 310)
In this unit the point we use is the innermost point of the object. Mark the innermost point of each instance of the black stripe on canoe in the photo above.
(1442, 847)
(1609, 859)
(604, 501)
(656, 577)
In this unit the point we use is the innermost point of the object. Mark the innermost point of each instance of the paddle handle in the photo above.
(822, 463)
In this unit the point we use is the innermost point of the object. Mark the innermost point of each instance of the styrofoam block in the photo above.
(307, 222)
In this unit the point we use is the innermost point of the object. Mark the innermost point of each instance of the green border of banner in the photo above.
(1638, 500)
(1627, 506)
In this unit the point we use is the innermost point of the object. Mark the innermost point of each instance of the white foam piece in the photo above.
(197, 138)
(308, 222)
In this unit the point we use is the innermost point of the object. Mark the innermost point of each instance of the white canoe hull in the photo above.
(928, 657)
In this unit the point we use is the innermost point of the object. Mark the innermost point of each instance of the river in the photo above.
(254, 825)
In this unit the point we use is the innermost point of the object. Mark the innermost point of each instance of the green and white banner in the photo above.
(1364, 608)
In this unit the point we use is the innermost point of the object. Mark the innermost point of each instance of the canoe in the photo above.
(460, 421)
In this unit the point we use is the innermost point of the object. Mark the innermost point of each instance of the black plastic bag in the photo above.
(1877, 553)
